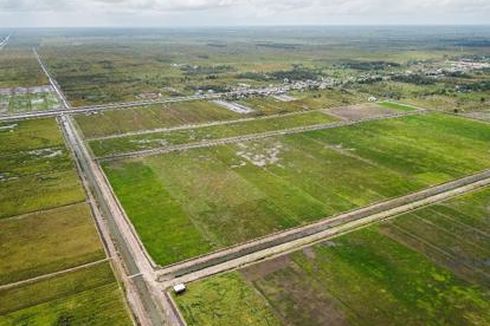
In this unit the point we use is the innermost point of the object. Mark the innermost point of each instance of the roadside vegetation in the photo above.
(384, 274)
(88, 296)
(107, 147)
(223, 195)
(46, 227)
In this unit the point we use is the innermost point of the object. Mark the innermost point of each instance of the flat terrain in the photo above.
(159, 116)
(14, 100)
(18, 66)
(89, 296)
(63, 237)
(223, 195)
(46, 227)
(191, 135)
(409, 270)
(36, 170)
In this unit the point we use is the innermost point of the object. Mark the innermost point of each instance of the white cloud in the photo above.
(261, 11)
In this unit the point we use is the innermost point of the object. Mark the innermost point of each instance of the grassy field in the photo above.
(163, 139)
(36, 170)
(311, 100)
(375, 276)
(19, 68)
(61, 238)
(224, 195)
(159, 116)
(37, 176)
(88, 296)
(16, 103)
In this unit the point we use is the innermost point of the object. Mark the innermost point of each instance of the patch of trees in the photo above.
(253, 76)
(297, 73)
(369, 65)
(481, 86)
(282, 46)
(413, 79)
(206, 70)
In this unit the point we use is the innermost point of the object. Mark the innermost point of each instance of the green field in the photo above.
(223, 195)
(193, 135)
(61, 238)
(36, 170)
(19, 68)
(38, 177)
(28, 102)
(311, 100)
(388, 274)
(158, 116)
(89, 296)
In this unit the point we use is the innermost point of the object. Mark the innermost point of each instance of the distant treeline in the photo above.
(369, 65)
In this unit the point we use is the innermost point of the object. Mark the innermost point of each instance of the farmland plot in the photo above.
(146, 141)
(224, 195)
(89, 296)
(46, 227)
(115, 122)
(375, 276)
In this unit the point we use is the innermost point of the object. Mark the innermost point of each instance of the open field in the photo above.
(62, 238)
(374, 276)
(224, 195)
(159, 116)
(18, 66)
(26, 100)
(191, 135)
(38, 177)
(36, 171)
(89, 296)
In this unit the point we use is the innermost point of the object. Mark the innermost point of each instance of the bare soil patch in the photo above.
(361, 111)
(258, 271)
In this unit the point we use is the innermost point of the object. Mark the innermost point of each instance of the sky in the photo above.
(191, 13)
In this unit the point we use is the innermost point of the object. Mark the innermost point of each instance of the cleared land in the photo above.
(36, 171)
(362, 111)
(89, 296)
(375, 276)
(28, 99)
(224, 195)
(191, 135)
(64, 237)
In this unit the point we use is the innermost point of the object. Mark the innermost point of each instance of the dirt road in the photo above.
(293, 239)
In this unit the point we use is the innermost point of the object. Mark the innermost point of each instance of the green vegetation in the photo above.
(87, 296)
(36, 171)
(15, 103)
(397, 106)
(228, 301)
(162, 139)
(37, 176)
(390, 274)
(451, 233)
(159, 116)
(60, 238)
(224, 195)
(19, 68)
